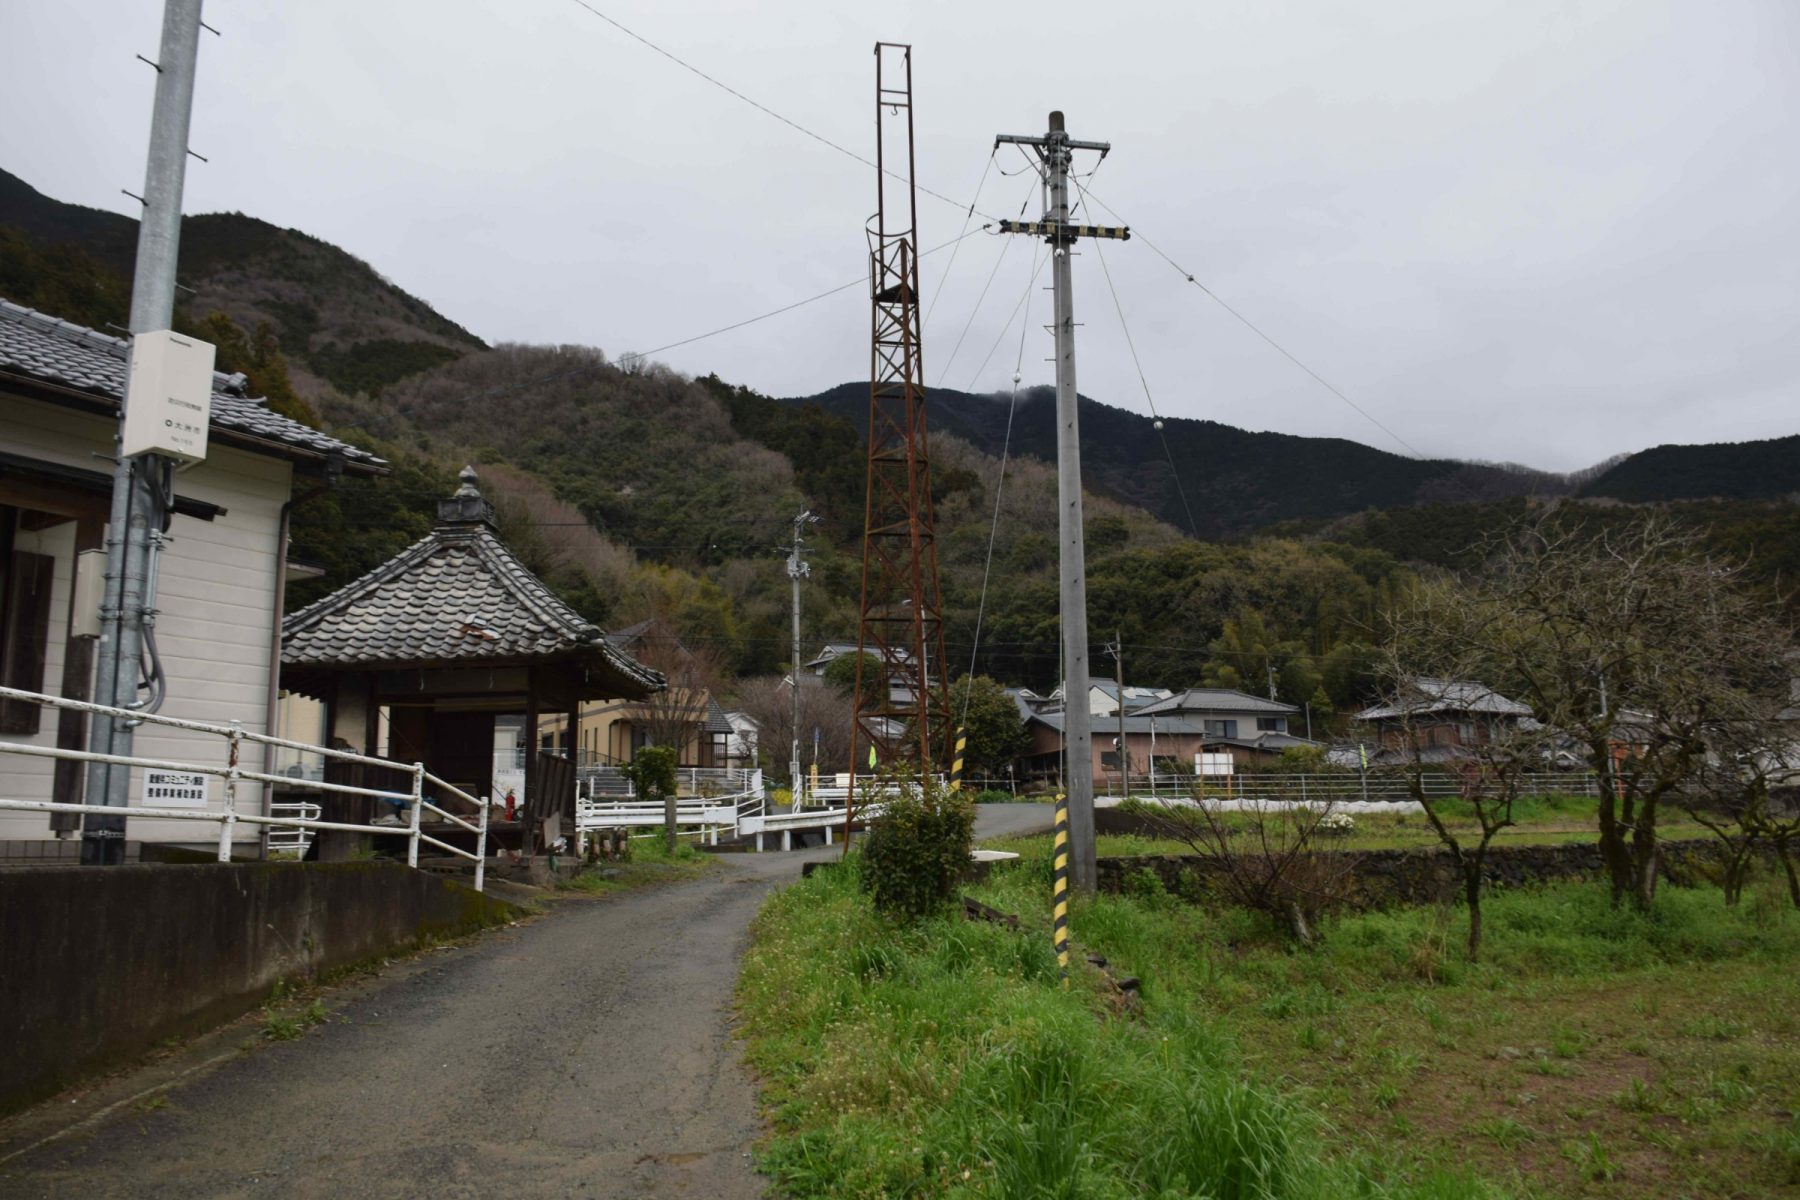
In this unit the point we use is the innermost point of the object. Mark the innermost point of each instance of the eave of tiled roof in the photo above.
(36, 348)
(457, 596)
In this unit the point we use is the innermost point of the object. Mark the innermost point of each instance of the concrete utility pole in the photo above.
(1055, 149)
(139, 483)
(798, 569)
(1118, 654)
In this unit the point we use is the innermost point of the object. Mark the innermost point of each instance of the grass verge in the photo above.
(1593, 1053)
(650, 864)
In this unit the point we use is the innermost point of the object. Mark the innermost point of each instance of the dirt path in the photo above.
(588, 1052)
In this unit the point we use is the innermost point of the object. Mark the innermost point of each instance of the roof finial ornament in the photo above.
(467, 506)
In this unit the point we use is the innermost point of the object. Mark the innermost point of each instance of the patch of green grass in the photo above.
(945, 1058)
(280, 1026)
(650, 863)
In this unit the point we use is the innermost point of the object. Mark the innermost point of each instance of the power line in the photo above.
(1254, 328)
(590, 368)
(975, 309)
(765, 109)
(1131, 344)
(951, 265)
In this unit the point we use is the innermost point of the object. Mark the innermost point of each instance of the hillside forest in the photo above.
(1218, 557)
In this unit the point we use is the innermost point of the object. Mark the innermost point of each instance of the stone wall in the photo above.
(99, 964)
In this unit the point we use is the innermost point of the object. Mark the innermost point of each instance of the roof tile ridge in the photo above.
(386, 573)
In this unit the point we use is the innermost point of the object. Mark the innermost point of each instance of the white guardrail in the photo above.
(232, 773)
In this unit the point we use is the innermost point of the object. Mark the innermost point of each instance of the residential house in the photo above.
(220, 576)
(1443, 718)
(1104, 697)
(741, 747)
(1173, 730)
(685, 715)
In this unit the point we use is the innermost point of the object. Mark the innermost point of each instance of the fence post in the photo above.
(481, 848)
(418, 807)
(235, 743)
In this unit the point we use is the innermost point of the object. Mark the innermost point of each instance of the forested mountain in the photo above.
(335, 317)
(636, 492)
(1231, 481)
(1761, 470)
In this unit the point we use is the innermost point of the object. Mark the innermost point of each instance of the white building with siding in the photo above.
(220, 576)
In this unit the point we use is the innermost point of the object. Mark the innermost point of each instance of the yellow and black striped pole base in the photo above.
(956, 761)
(1059, 912)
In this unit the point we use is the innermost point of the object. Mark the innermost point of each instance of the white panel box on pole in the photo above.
(168, 396)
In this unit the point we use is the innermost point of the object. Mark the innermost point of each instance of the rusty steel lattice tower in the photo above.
(902, 705)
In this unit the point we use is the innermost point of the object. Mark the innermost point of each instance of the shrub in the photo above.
(993, 796)
(916, 850)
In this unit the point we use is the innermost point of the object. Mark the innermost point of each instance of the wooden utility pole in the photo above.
(1055, 149)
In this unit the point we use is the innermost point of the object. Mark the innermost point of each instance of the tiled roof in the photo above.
(49, 350)
(456, 595)
(1211, 700)
(1446, 696)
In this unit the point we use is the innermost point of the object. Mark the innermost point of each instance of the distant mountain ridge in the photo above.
(1760, 470)
(336, 317)
(1233, 481)
(339, 321)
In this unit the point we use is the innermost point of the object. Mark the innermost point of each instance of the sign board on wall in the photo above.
(175, 789)
(168, 396)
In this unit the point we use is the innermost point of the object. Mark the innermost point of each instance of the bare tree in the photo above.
(829, 709)
(1741, 795)
(1438, 634)
(676, 716)
(1265, 857)
(1633, 644)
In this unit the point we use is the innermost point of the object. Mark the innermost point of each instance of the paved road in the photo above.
(1006, 820)
(588, 1052)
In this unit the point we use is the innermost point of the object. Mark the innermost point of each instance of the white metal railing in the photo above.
(689, 781)
(605, 809)
(293, 839)
(413, 800)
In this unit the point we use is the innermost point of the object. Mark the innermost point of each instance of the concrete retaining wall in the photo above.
(98, 965)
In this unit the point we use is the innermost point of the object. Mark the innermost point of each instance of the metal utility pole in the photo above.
(1055, 149)
(798, 568)
(902, 715)
(141, 483)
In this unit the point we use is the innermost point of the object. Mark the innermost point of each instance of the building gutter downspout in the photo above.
(334, 469)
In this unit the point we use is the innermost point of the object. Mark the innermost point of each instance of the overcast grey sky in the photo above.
(1538, 231)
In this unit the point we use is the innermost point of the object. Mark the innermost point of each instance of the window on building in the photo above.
(1271, 724)
(25, 582)
(1224, 729)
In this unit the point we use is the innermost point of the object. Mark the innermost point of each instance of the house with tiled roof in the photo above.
(220, 576)
(1439, 720)
(685, 714)
(1170, 730)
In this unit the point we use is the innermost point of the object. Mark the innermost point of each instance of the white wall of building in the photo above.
(216, 595)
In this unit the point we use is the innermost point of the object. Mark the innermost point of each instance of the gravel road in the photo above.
(588, 1052)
